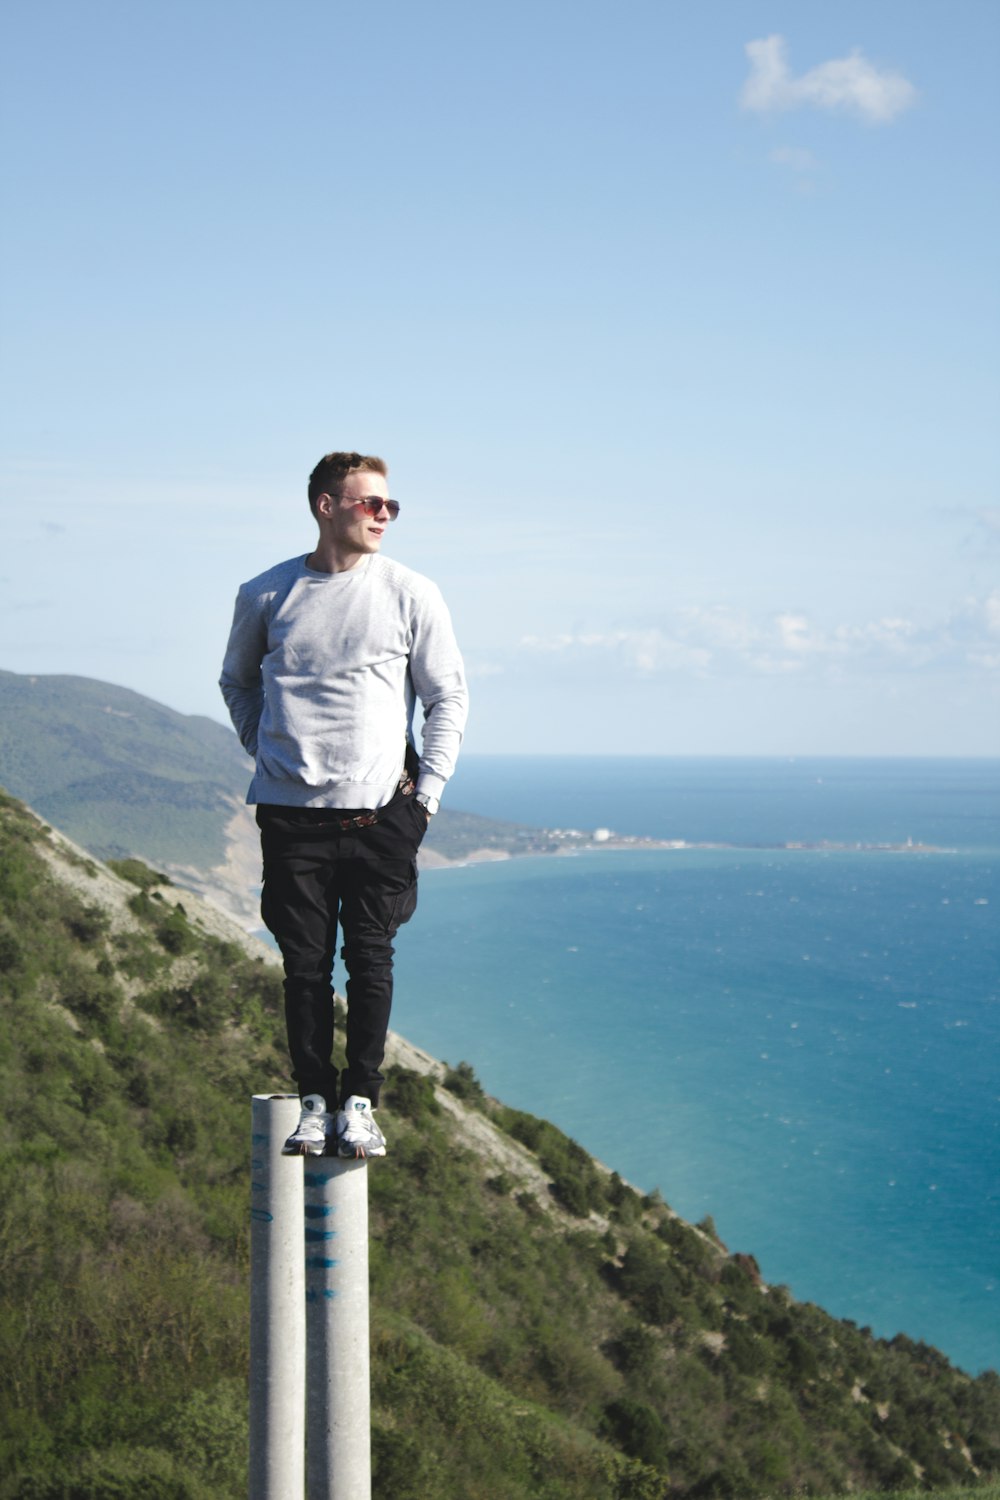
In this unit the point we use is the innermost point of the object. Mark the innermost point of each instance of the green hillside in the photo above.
(123, 775)
(117, 772)
(540, 1331)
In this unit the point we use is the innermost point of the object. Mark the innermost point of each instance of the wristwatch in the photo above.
(431, 803)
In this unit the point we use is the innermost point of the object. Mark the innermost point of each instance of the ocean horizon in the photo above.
(797, 1041)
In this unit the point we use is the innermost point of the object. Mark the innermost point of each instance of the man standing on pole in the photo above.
(326, 657)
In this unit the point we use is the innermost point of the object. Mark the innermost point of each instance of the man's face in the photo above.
(349, 525)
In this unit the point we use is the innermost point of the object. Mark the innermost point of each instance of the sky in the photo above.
(676, 324)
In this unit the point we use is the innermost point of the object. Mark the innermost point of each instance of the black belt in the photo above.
(407, 786)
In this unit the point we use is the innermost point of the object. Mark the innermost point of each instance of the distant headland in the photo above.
(452, 845)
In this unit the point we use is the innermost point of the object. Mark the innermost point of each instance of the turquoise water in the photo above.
(801, 1043)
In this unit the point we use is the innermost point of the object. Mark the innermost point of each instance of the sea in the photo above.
(801, 1042)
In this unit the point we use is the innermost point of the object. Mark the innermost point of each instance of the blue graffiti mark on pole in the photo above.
(317, 1211)
(262, 1216)
(256, 1165)
(316, 1179)
(329, 1293)
(257, 1138)
(313, 1296)
(258, 1187)
(321, 1234)
(320, 1262)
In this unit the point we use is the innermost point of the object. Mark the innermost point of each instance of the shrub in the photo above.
(624, 1200)
(634, 1350)
(174, 931)
(411, 1094)
(87, 924)
(744, 1352)
(401, 1465)
(638, 1430)
(204, 1004)
(91, 996)
(800, 1358)
(136, 957)
(142, 907)
(463, 1083)
(12, 951)
(575, 1181)
(137, 873)
(207, 1431)
(523, 1127)
(648, 1281)
(707, 1226)
(120, 1473)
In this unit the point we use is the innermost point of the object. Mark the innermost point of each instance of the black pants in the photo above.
(316, 875)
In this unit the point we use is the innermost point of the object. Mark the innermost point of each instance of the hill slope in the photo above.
(123, 775)
(117, 772)
(540, 1332)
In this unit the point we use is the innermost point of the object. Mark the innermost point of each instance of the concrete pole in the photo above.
(277, 1289)
(338, 1400)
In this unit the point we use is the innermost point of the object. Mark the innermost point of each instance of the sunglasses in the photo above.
(372, 505)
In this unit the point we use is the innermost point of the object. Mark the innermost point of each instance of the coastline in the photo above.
(432, 859)
(234, 885)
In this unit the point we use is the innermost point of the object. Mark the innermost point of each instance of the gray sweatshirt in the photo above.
(320, 678)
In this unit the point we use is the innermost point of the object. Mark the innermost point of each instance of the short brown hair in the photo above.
(333, 468)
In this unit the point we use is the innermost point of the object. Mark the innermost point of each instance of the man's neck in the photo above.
(329, 558)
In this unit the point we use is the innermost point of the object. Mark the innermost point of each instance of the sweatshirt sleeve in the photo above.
(438, 676)
(241, 682)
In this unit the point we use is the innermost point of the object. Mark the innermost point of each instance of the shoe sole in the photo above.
(301, 1149)
(358, 1153)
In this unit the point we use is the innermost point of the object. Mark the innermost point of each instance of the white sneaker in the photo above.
(357, 1133)
(315, 1125)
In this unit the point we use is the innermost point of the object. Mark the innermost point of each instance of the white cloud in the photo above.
(852, 84)
(977, 627)
(548, 643)
(978, 618)
(716, 641)
(793, 633)
(648, 652)
(718, 626)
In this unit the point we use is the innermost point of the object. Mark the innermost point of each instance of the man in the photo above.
(326, 656)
